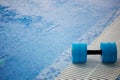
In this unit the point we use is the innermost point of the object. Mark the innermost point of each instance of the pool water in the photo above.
(33, 33)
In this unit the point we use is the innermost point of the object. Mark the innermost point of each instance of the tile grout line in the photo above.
(91, 72)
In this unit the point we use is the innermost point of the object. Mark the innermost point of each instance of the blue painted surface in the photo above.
(34, 33)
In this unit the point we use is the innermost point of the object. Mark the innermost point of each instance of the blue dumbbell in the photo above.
(108, 52)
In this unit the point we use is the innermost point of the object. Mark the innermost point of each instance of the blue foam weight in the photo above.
(79, 52)
(109, 52)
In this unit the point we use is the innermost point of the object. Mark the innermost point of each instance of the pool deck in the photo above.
(94, 69)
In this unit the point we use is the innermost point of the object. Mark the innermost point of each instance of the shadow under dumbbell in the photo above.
(91, 63)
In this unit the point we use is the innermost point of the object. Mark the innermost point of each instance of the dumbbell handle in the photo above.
(94, 52)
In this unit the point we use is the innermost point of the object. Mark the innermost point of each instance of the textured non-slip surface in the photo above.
(94, 69)
(91, 70)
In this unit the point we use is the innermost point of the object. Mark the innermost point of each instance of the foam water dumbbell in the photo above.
(108, 52)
